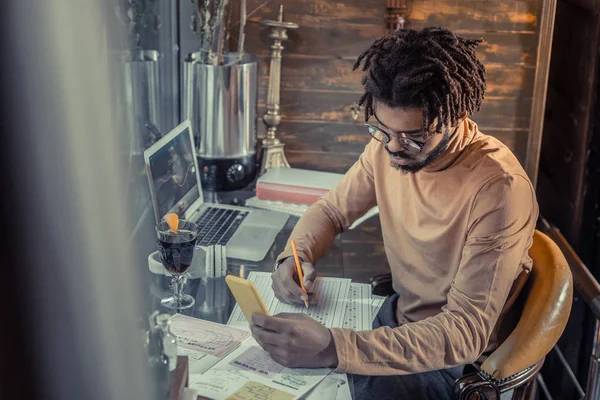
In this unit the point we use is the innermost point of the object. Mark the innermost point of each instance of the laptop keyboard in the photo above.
(217, 225)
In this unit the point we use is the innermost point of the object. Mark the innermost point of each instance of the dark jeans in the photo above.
(436, 385)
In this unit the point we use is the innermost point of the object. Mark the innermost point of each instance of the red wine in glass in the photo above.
(177, 251)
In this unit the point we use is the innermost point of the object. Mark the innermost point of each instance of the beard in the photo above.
(417, 165)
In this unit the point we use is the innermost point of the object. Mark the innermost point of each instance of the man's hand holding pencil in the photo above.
(294, 339)
(293, 281)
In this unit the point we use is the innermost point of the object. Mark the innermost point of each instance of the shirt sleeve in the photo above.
(501, 226)
(333, 213)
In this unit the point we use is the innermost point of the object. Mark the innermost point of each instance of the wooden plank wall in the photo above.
(569, 105)
(568, 174)
(318, 85)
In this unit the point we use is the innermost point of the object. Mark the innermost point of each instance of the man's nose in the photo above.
(394, 146)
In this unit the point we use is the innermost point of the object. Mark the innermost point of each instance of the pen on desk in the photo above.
(299, 270)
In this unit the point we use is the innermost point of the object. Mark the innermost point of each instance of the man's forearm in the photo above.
(443, 341)
(314, 232)
(353, 196)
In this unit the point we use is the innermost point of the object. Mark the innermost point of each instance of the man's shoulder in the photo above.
(487, 157)
(497, 173)
(490, 168)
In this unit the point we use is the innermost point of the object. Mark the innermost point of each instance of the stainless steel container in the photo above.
(221, 102)
(169, 65)
(138, 97)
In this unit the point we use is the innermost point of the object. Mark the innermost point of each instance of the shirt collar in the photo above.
(459, 140)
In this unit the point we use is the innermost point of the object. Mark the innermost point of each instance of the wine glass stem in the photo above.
(177, 289)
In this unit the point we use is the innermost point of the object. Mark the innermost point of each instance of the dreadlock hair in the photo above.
(431, 69)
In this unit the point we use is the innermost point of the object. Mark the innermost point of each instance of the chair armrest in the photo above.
(480, 385)
(381, 285)
(545, 314)
(474, 387)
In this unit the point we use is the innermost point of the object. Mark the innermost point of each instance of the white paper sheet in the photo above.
(358, 316)
(205, 336)
(198, 363)
(204, 342)
(358, 307)
(334, 387)
(376, 304)
(327, 305)
(249, 373)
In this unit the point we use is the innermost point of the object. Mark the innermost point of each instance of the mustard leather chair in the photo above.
(546, 297)
(511, 370)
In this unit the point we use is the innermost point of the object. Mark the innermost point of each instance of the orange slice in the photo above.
(172, 220)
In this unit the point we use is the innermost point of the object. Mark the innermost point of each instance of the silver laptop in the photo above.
(174, 179)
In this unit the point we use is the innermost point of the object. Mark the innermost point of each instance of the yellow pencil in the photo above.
(299, 270)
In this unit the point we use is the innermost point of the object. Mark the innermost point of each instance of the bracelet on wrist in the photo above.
(279, 262)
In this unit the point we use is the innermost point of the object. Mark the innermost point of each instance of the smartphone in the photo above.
(247, 296)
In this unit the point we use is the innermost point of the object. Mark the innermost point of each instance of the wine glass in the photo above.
(176, 254)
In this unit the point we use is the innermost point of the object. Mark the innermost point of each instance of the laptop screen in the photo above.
(173, 174)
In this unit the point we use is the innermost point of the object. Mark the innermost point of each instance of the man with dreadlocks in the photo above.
(457, 214)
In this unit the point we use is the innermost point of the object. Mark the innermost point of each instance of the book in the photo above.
(294, 185)
(297, 209)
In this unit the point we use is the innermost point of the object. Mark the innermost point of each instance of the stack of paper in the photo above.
(250, 373)
(293, 190)
(295, 185)
(336, 303)
(298, 209)
(225, 363)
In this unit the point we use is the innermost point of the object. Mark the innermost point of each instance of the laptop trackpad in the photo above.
(251, 243)
(266, 219)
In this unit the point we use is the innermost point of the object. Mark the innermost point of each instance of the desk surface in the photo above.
(356, 254)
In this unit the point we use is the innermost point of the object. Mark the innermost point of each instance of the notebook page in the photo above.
(358, 307)
(328, 303)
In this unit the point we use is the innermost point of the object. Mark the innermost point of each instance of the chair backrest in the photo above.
(545, 314)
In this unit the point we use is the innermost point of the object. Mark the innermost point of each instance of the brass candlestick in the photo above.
(273, 155)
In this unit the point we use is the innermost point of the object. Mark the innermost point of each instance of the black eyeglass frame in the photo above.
(410, 144)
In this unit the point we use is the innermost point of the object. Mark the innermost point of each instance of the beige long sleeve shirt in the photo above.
(456, 236)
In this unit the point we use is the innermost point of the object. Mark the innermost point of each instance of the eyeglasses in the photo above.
(412, 146)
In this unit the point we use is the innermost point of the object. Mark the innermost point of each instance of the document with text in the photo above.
(327, 304)
(249, 373)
